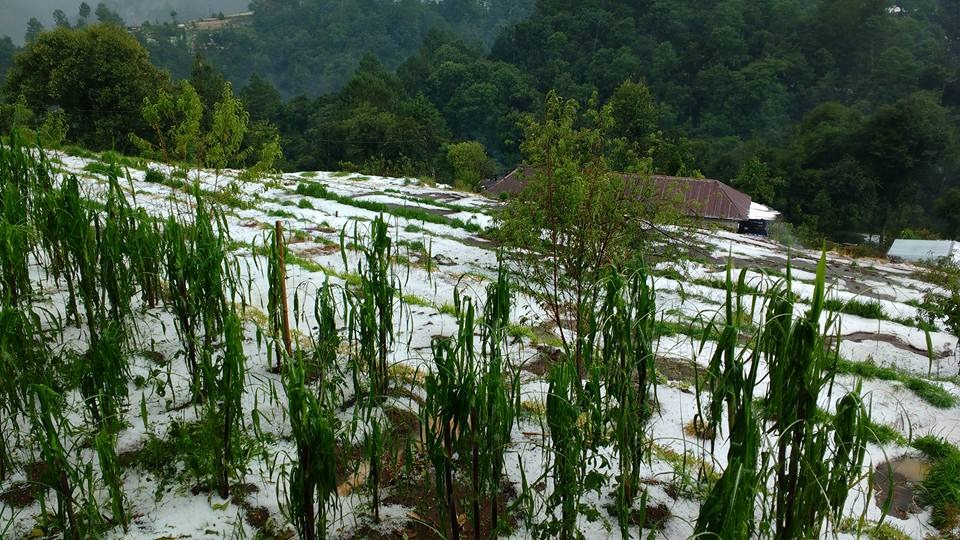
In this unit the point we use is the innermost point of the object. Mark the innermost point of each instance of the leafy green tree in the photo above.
(576, 216)
(209, 82)
(60, 19)
(471, 164)
(227, 131)
(174, 120)
(635, 113)
(7, 50)
(98, 75)
(105, 15)
(84, 12)
(34, 29)
(755, 179)
(900, 143)
(261, 99)
(947, 209)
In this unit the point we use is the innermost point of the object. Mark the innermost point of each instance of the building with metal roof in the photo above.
(924, 250)
(702, 198)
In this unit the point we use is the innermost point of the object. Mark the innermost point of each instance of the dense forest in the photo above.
(840, 113)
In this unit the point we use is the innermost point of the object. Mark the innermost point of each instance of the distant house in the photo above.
(702, 198)
(225, 21)
(924, 250)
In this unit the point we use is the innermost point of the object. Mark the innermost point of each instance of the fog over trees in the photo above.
(16, 13)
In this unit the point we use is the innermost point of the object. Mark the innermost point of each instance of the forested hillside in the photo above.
(841, 113)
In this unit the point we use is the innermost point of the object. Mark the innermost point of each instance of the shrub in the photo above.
(155, 177)
(867, 309)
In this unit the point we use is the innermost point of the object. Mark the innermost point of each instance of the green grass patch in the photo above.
(308, 174)
(928, 391)
(414, 300)
(104, 169)
(883, 434)
(79, 152)
(867, 309)
(717, 283)
(281, 214)
(869, 529)
(314, 189)
(931, 392)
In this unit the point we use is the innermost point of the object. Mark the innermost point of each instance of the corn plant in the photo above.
(312, 481)
(374, 308)
(277, 296)
(811, 484)
(728, 510)
(181, 297)
(61, 476)
(105, 445)
(103, 383)
(371, 333)
(114, 276)
(817, 457)
(496, 402)
(16, 172)
(25, 359)
(14, 244)
(567, 449)
(326, 344)
(222, 414)
(74, 222)
(199, 275)
(628, 317)
(450, 388)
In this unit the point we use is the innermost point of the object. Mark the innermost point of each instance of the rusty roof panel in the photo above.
(702, 197)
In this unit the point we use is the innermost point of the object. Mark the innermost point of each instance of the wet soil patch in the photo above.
(896, 483)
(860, 337)
(654, 516)
(677, 369)
(426, 511)
(435, 211)
(474, 241)
(22, 494)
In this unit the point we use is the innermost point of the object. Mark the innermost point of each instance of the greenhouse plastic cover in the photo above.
(924, 250)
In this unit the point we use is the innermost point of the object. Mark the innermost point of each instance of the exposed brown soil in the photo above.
(654, 516)
(540, 363)
(677, 369)
(36, 471)
(898, 480)
(860, 337)
(22, 494)
(317, 251)
(476, 241)
(257, 517)
(434, 211)
(155, 357)
(425, 517)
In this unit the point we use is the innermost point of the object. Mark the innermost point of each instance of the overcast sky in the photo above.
(14, 14)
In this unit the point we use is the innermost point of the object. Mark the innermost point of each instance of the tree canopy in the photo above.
(98, 76)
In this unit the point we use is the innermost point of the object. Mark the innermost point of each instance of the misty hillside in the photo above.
(16, 13)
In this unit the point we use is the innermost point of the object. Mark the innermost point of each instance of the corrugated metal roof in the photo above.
(923, 250)
(702, 197)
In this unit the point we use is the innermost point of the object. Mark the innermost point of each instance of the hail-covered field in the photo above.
(436, 260)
